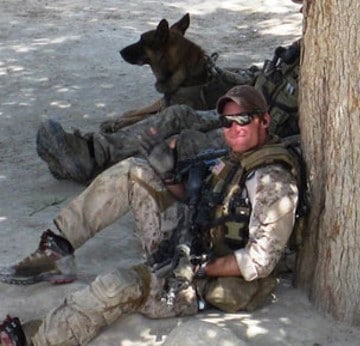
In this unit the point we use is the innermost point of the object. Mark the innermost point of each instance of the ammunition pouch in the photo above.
(231, 294)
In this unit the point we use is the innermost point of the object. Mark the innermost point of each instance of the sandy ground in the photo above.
(60, 59)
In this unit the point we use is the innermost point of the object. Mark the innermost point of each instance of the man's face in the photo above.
(243, 138)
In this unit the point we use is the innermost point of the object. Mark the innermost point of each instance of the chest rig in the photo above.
(227, 193)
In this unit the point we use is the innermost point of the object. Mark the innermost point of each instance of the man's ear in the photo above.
(182, 25)
(162, 31)
(265, 121)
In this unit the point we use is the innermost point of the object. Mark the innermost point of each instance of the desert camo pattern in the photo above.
(82, 314)
(129, 185)
(273, 194)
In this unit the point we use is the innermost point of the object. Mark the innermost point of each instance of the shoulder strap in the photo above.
(273, 153)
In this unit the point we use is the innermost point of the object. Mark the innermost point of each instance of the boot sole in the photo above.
(52, 147)
(45, 277)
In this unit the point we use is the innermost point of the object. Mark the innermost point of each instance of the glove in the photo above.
(158, 153)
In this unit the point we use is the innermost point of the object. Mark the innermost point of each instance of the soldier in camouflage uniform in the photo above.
(236, 278)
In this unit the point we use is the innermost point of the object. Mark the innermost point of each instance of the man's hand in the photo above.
(159, 153)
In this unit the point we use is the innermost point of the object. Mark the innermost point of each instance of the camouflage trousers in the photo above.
(83, 314)
(181, 120)
(128, 185)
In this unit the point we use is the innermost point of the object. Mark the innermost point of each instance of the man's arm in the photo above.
(273, 194)
(223, 266)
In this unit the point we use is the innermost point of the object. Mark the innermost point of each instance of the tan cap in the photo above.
(244, 95)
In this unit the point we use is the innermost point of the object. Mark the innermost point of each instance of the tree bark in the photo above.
(330, 129)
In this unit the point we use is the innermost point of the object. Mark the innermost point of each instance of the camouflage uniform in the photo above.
(110, 148)
(133, 185)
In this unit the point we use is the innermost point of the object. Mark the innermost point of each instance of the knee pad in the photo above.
(122, 286)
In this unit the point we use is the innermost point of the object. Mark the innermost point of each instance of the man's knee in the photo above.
(121, 286)
(119, 291)
(117, 173)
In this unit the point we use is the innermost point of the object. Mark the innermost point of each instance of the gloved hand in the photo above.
(161, 157)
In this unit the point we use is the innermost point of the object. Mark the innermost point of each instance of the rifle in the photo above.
(208, 157)
(191, 246)
(166, 250)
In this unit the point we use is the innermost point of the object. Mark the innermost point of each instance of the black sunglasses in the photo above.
(242, 119)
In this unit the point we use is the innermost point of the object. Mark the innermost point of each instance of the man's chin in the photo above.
(240, 149)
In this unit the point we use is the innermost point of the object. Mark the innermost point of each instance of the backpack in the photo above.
(278, 82)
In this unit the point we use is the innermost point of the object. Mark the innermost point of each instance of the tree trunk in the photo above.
(330, 129)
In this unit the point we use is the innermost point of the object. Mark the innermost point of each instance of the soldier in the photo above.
(249, 199)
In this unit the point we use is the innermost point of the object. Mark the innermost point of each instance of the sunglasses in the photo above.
(242, 119)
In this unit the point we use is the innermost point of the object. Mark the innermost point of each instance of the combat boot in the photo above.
(53, 261)
(68, 155)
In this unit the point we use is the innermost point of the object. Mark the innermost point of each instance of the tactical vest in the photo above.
(232, 211)
(278, 82)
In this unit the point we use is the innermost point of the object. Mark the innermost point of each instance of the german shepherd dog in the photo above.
(174, 60)
(179, 66)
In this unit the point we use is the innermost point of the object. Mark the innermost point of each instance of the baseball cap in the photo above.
(246, 96)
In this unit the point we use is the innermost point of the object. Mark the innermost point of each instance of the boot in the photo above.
(53, 261)
(68, 155)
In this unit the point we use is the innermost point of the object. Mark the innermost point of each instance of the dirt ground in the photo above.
(60, 59)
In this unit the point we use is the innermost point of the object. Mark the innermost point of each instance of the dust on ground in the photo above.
(60, 59)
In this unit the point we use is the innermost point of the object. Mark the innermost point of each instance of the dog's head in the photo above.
(153, 41)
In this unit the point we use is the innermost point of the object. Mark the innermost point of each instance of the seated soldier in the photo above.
(245, 215)
(80, 158)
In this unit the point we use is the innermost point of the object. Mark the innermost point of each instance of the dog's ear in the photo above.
(162, 30)
(181, 25)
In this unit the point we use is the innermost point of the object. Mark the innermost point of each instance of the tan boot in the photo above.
(53, 261)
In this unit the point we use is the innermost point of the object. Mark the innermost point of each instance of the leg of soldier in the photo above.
(129, 185)
(80, 157)
(112, 148)
(84, 313)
